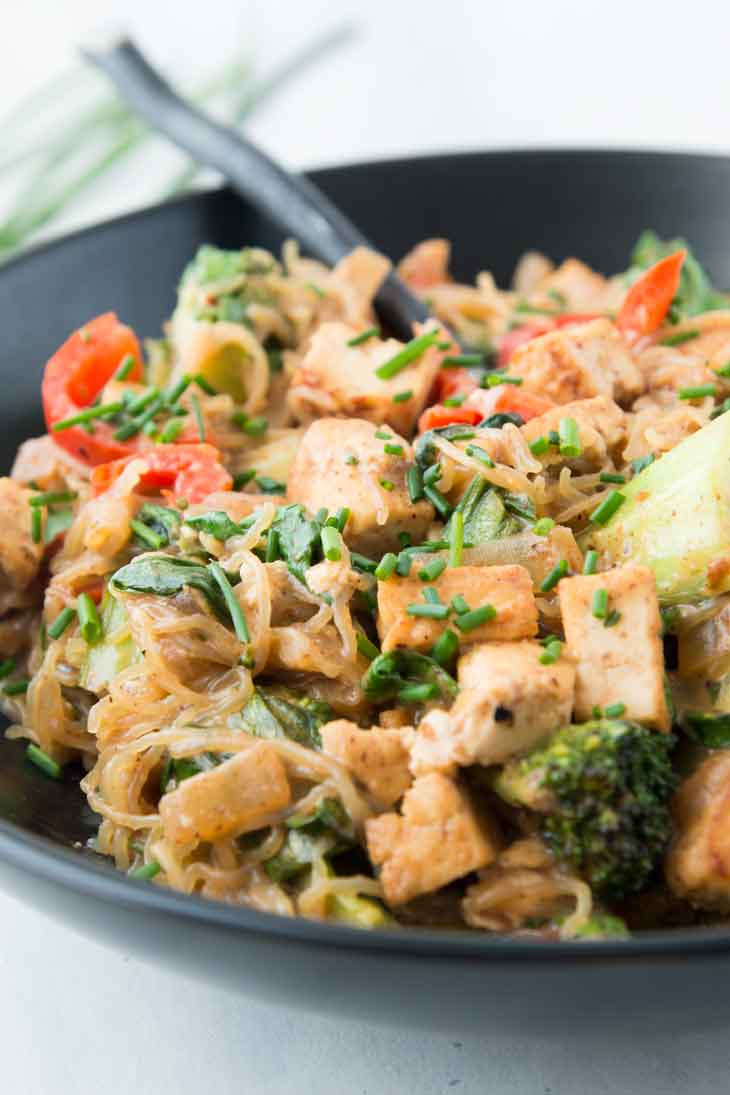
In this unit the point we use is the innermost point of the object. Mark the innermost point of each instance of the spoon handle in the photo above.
(291, 201)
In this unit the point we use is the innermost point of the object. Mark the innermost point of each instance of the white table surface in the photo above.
(78, 1018)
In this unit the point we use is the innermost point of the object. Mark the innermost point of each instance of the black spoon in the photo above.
(297, 205)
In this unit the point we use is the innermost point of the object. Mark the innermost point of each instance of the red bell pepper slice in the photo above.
(185, 471)
(649, 299)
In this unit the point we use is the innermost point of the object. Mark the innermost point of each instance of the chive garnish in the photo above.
(393, 450)
(254, 427)
(460, 605)
(204, 385)
(445, 647)
(199, 420)
(410, 353)
(679, 338)
(243, 477)
(432, 475)
(611, 477)
(383, 435)
(569, 437)
(52, 497)
(539, 446)
(456, 545)
(428, 611)
(454, 401)
(614, 710)
(36, 524)
(553, 437)
(590, 563)
(431, 571)
(143, 400)
(365, 647)
(351, 459)
(361, 562)
(414, 483)
(331, 549)
(437, 500)
(724, 370)
(41, 759)
(551, 653)
(16, 688)
(267, 485)
(698, 391)
(235, 611)
(273, 546)
(603, 513)
(468, 621)
(370, 332)
(494, 379)
(146, 534)
(418, 693)
(125, 367)
(455, 361)
(149, 870)
(599, 604)
(386, 566)
(172, 431)
(89, 620)
(431, 594)
(404, 396)
(544, 526)
(612, 619)
(61, 622)
(551, 580)
(104, 410)
(405, 562)
(478, 453)
(173, 394)
(642, 462)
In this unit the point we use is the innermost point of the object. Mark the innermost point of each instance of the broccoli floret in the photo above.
(603, 789)
(603, 926)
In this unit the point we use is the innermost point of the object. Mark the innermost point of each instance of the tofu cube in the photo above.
(698, 863)
(508, 588)
(507, 702)
(578, 363)
(337, 379)
(20, 558)
(601, 425)
(436, 839)
(340, 462)
(623, 663)
(377, 759)
(236, 797)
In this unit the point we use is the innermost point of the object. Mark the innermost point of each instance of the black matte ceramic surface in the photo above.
(493, 206)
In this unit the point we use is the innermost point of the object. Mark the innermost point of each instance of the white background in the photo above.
(76, 1018)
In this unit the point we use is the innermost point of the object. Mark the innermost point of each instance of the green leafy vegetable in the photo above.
(603, 926)
(391, 675)
(282, 713)
(484, 512)
(215, 523)
(117, 650)
(696, 293)
(165, 576)
(710, 730)
(299, 538)
(325, 832)
(163, 521)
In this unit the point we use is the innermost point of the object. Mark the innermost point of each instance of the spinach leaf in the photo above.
(710, 730)
(177, 769)
(162, 520)
(425, 450)
(165, 575)
(497, 421)
(485, 515)
(388, 674)
(325, 832)
(215, 523)
(282, 713)
(300, 544)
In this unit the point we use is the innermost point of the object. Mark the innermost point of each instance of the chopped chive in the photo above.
(361, 562)
(36, 524)
(16, 688)
(494, 379)
(410, 353)
(418, 693)
(150, 428)
(431, 571)
(104, 410)
(387, 484)
(612, 619)
(460, 605)
(404, 396)
(458, 434)
(235, 611)
(454, 401)
(143, 400)
(599, 604)
(341, 518)
(393, 450)
(429, 546)
(41, 759)
(243, 478)
(365, 647)
(414, 483)
(679, 338)
(724, 370)
(405, 562)
(172, 431)
(445, 345)
(405, 539)
(432, 475)
(6, 667)
(698, 391)
(331, 549)
(544, 526)
(52, 497)
(590, 563)
(267, 485)
(553, 437)
(551, 653)
(351, 459)
(437, 500)
(539, 446)
(316, 289)
(596, 712)
(431, 594)
(89, 620)
(149, 870)
(551, 580)
(455, 361)
(456, 545)
(428, 611)
(273, 546)
(204, 385)
(603, 513)
(468, 621)
(611, 477)
(199, 420)
(125, 367)
(445, 647)
(569, 437)
(173, 394)
(254, 427)
(614, 710)
(370, 332)
(722, 409)
(146, 534)
(478, 453)
(386, 566)
(642, 462)
(61, 622)
(383, 435)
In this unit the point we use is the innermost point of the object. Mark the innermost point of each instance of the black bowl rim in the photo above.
(59, 865)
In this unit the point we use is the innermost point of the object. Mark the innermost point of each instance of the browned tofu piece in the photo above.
(323, 474)
(20, 558)
(378, 759)
(436, 839)
(623, 663)
(601, 425)
(236, 797)
(579, 363)
(507, 702)
(698, 863)
(336, 379)
(507, 588)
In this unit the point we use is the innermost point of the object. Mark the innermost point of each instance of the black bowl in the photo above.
(493, 206)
